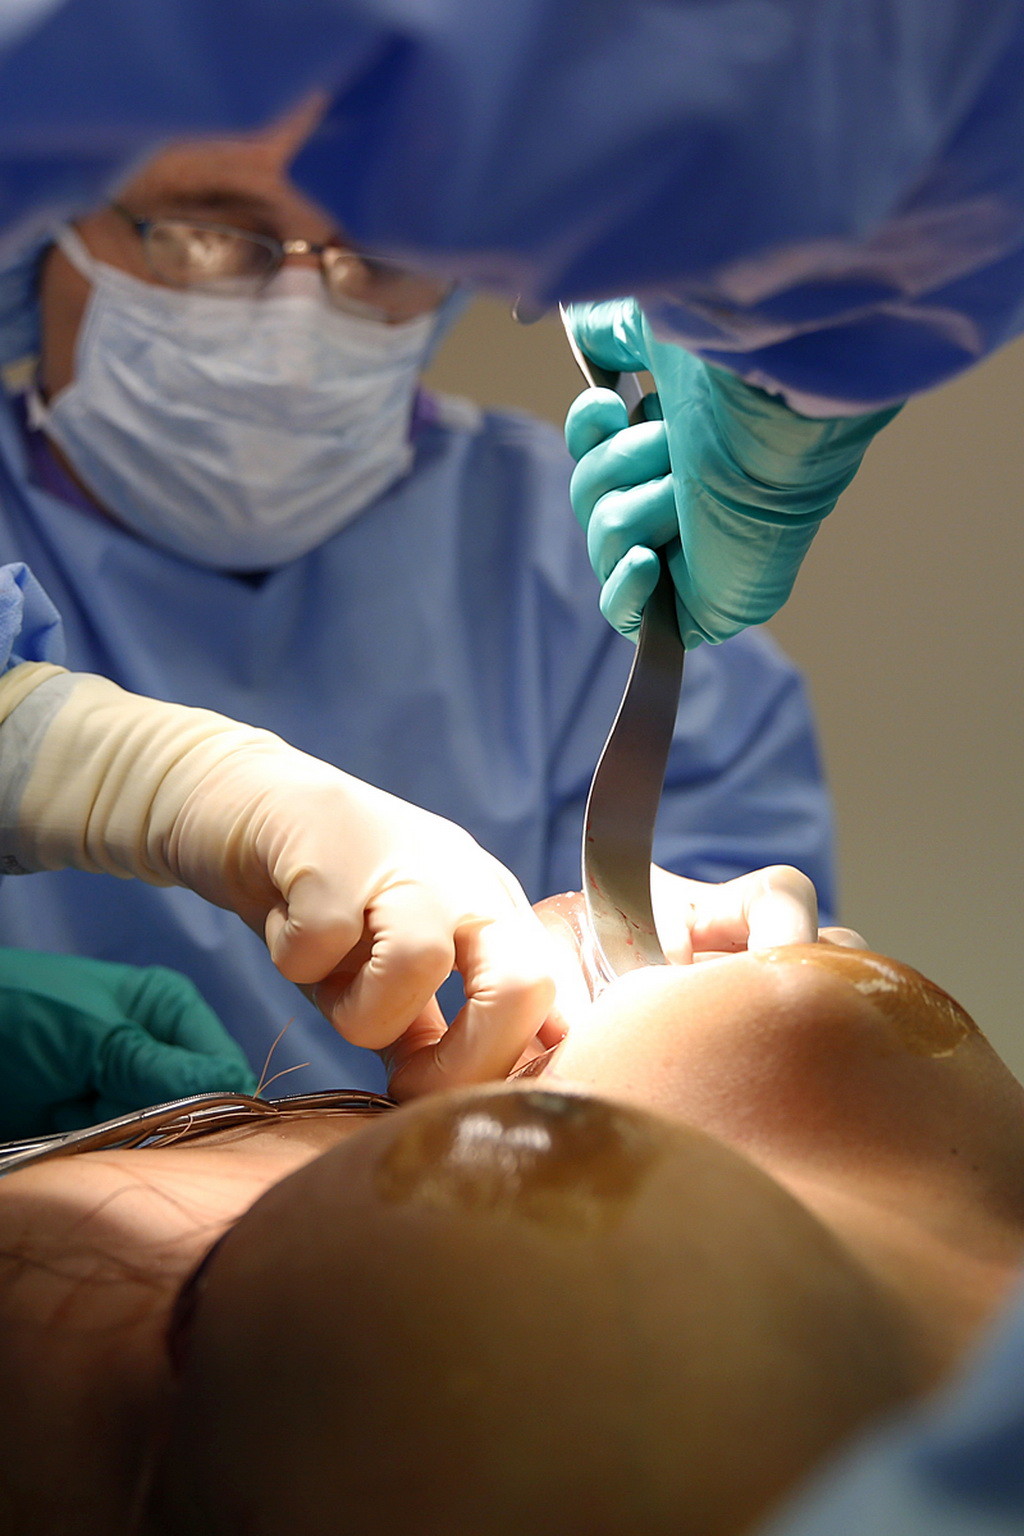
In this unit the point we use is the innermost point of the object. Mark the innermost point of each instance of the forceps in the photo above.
(622, 805)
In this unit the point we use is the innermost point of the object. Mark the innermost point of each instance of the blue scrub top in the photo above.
(825, 195)
(447, 646)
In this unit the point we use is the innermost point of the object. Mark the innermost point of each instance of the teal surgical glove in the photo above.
(84, 1040)
(731, 483)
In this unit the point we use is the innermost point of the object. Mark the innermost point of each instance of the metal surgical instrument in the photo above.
(622, 806)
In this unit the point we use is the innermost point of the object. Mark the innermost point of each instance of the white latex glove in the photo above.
(696, 920)
(767, 908)
(361, 897)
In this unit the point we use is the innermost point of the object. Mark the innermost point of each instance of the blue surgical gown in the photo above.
(30, 626)
(446, 646)
(825, 195)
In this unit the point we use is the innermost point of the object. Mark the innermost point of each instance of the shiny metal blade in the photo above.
(625, 793)
(622, 806)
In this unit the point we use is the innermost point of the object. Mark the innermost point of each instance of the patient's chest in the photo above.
(138, 1206)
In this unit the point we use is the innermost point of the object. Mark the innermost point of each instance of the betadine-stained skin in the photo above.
(924, 1018)
(739, 1219)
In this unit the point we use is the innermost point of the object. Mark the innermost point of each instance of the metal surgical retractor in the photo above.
(622, 806)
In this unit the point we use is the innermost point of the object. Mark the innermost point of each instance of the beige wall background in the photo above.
(907, 622)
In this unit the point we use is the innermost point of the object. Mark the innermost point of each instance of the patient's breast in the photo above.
(923, 1017)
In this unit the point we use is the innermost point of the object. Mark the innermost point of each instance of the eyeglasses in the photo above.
(218, 258)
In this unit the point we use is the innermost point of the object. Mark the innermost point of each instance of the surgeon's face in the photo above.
(239, 183)
(753, 1203)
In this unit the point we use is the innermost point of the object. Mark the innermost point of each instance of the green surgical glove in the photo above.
(84, 1040)
(733, 484)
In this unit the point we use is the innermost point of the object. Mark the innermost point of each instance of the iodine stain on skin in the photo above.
(926, 1020)
(552, 1159)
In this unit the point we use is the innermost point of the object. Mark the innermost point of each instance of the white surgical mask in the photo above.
(238, 433)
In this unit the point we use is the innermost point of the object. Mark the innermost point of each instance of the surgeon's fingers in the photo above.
(506, 969)
(134, 1069)
(631, 458)
(426, 1033)
(168, 1006)
(781, 907)
(844, 938)
(625, 593)
(422, 1035)
(408, 952)
(762, 910)
(610, 332)
(673, 901)
(594, 415)
(309, 930)
(642, 516)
